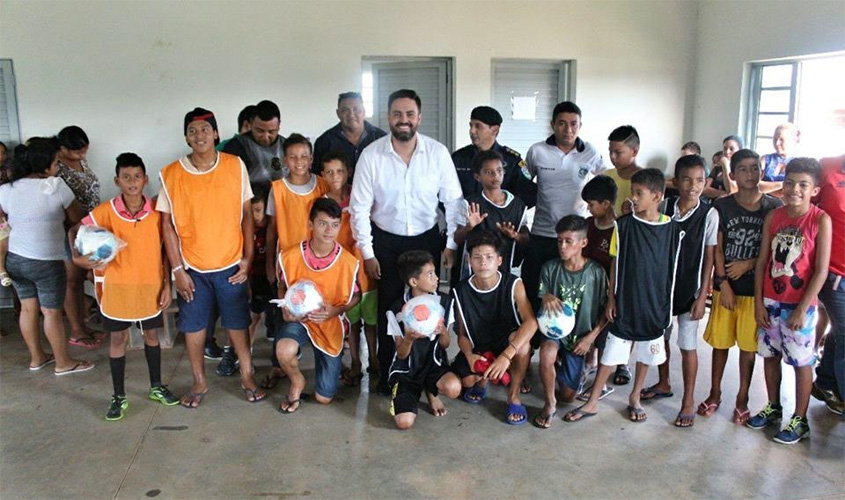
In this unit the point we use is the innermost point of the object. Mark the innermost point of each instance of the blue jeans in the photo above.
(212, 289)
(326, 368)
(831, 371)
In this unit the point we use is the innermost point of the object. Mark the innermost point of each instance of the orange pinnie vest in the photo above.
(347, 241)
(292, 211)
(207, 212)
(128, 288)
(337, 285)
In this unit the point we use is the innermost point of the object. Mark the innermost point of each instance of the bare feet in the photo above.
(437, 407)
(194, 397)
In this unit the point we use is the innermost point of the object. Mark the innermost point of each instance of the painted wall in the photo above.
(733, 33)
(128, 71)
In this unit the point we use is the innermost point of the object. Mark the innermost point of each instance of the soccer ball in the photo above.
(422, 314)
(100, 243)
(303, 297)
(557, 325)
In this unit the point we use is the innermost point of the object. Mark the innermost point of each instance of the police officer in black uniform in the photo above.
(484, 123)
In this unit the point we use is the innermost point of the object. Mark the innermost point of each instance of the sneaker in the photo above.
(767, 416)
(212, 351)
(797, 429)
(163, 395)
(228, 363)
(118, 404)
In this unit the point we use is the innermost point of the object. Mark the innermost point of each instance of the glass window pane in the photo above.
(776, 101)
(766, 124)
(764, 146)
(777, 76)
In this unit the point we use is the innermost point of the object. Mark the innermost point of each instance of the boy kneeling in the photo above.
(494, 316)
(334, 270)
(420, 362)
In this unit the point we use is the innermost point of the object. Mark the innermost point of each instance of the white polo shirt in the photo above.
(403, 199)
(560, 178)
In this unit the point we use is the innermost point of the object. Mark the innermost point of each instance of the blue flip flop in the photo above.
(516, 409)
(475, 392)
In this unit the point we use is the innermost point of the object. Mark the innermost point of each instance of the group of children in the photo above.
(625, 273)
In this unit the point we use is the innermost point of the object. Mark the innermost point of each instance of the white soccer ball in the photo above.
(422, 314)
(557, 325)
(303, 297)
(100, 243)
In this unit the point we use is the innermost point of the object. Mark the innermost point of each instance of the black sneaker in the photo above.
(212, 351)
(228, 363)
(118, 404)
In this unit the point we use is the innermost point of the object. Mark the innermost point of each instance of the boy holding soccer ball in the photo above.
(574, 292)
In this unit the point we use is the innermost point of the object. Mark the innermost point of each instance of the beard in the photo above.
(402, 135)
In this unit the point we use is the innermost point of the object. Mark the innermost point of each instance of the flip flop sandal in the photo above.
(622, 376)
(685, 418)
(475, 395)
(79, 368)
(256, 397)
(634, 414)
(544, 420)
(741, 417)
(270, 381)
(350, 380)
(581, 414)
(654, 393)
(298, 402)
(50, 359)
(5, 280)
(194, 397)
(514, 410)
(85, 342)
(706, 410)
(585, 395)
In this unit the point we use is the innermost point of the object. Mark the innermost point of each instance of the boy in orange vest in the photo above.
(134, 288)
(208, 201)
(334, 270)
(335, 171)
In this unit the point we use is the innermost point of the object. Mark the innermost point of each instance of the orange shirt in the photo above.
(207, 210)
(337, 285)
(347, 241)
(292, 210)
(128, 288)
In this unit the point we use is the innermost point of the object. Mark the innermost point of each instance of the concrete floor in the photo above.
(55, 443)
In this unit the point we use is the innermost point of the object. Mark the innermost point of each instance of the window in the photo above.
(9, 130)
(806, 92)
(525, 92)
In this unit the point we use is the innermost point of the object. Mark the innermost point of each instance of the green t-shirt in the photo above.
(585, 291)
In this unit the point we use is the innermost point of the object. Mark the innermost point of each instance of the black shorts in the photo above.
(601, 339)
(460, 365)
(113, 325)
(406, 391)
(262, 293)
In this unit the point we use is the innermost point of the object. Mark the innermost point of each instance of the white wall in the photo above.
(733, 33)
(128, 71)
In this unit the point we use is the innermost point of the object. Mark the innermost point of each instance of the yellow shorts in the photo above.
(725, 328)
(366, 309)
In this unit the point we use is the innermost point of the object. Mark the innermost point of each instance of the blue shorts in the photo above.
(326, 368)
(571, 370)
(214, 288)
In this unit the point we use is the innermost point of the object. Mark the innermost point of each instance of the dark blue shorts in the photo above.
(326, 368)
(210, 289)
(571, 370)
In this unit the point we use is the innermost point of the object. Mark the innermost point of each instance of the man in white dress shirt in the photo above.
(399, 181)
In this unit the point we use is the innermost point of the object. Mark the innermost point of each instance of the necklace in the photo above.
(199, 165)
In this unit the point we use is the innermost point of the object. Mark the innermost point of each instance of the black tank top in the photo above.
(489, 315)
(424, 353)
(691, 258)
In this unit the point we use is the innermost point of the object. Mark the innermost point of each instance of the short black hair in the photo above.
(627, 134)
(737, 139)
(246, 115)
(327, 206)
(651, 178)
(126, 160)
(295, 139)
(260, 192)
(689, 161)
(600, 188)
(349, 95)
(565, 107)
(483, 238)
(483, 157)
(334, 155)
(692, 146)
(574, 223)
(410, 264)
(743, 154)
(804, 165)
(404, 94)
(34, 157)
(266, 111)
(72, 138)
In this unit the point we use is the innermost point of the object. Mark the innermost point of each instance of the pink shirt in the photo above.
(120, 207)
(318, 263)
(831, 199)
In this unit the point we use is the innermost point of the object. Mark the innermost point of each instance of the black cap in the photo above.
(487, 115)
(200, 114)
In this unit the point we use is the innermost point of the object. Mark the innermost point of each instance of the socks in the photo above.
(118, 369)
(153, 355)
